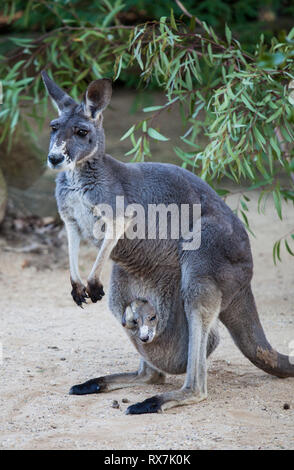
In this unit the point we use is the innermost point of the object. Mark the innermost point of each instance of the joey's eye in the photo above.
(82, 132)
(153, 318)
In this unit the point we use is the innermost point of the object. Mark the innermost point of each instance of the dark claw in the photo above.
(79, 298)
(79, 294)
(85, 388)
(95, 291)
(151, 405)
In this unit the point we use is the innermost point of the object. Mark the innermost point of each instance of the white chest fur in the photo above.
(77, 207)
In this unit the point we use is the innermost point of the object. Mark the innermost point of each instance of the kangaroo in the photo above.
(211, 282)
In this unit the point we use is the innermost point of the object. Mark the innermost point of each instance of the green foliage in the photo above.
(241, 102)
(246, 18)
(51, 14)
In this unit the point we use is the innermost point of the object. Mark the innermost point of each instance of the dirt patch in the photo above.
(49, 344)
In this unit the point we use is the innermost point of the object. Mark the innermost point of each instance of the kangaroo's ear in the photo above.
(61, 99)
(97, 97)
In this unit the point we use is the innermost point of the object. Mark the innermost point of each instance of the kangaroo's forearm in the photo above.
(94, 286)
(102, 257)
(78, 292)
(73, 251)
(109, 242)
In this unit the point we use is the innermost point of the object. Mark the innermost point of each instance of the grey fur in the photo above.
(189, 290)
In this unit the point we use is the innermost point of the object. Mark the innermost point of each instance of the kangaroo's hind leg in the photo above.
(201, 310)
(213, 340)
(144, 375)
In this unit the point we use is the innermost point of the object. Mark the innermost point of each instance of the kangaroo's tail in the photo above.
(241, 319)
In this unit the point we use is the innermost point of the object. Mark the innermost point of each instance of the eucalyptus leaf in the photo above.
(154, 134)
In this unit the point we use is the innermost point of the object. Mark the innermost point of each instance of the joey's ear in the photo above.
(123, 320)
(62, 100)
(129, 315)
(97, 97)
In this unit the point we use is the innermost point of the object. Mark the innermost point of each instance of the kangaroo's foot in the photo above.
(159, 403)
(91, 386)
(95, 290)
(145, 375)
(79, 293)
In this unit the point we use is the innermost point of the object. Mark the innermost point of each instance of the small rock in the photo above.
(26, 264)
(125, 400)
(115, 404)
(63, 358)
(23, 163)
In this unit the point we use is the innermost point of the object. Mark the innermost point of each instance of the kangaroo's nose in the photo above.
(54, 159)
(144, 338)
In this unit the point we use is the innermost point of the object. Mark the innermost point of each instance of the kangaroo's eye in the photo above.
(82, 132)
(54, 128)
(153, 318)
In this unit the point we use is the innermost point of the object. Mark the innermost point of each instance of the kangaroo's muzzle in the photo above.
(54, 160)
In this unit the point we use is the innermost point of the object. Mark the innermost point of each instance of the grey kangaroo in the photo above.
(189, 289)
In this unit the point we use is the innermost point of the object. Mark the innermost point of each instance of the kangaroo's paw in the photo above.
(79, 294)
(95, 291)
(151, 405)
(165, 401)
(86, 388)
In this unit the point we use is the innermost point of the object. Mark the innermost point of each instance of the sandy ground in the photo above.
(49, 344)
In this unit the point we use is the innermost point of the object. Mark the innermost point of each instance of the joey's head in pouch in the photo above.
(141, 319)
